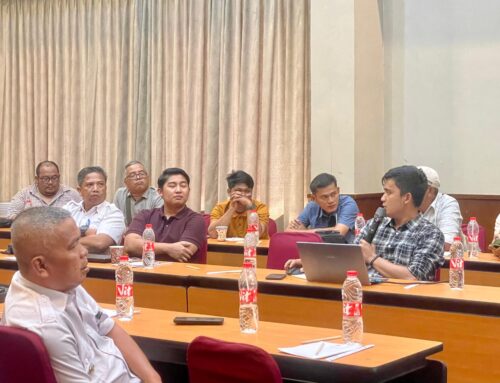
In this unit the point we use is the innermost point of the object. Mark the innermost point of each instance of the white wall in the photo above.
(447, 71)
(441, 91)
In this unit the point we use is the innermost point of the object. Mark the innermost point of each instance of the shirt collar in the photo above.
(179, 214)
(94, 209)
(407, 226)
(143, 196)
(57, 298)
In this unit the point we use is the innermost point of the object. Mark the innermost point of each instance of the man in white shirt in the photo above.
(101, 223)
(441, 209)
(46, 297)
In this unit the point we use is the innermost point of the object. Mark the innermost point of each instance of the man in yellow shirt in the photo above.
(233, 212)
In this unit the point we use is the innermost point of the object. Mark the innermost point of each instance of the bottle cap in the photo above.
(124, 258)
(352, 273)
(359, 215)
(472, 218)
(457, 238)
(149, 226)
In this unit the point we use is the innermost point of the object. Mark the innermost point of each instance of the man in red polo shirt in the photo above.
(179, 232)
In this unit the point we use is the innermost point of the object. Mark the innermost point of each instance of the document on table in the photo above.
(321, 350)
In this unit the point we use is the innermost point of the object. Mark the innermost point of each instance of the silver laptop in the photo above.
(329, 262)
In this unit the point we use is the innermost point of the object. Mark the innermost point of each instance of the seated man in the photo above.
(179, 231)
(329, 210)
(45, 296)
(441, 209)
(137, 195)
(101, 223)
(405, 245)
(233, 212)
(45, 191)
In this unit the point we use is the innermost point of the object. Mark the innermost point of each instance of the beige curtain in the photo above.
(209, 86)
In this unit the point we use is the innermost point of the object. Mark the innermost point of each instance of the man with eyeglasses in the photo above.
(329, 210)
(101, 223)
(233, 212)
(137, 194)
(45, 191)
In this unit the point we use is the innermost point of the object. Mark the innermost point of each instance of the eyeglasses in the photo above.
(48, 179)
(138, 175)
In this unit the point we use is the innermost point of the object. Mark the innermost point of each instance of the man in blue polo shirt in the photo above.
(329, 210)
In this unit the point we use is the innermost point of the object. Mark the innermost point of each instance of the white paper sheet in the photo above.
(321, 350)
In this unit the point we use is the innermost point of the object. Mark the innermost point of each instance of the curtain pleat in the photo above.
(209, 86)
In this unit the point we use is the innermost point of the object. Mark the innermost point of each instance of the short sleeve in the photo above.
(348, 210)
(195, 231)
(217, 212)
(112, 224)
(305, 216)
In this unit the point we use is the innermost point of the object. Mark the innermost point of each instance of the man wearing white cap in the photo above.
(441, 209)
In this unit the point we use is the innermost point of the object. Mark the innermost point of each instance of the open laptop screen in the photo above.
(329, 262)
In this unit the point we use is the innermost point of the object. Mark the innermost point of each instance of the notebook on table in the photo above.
(329, 262)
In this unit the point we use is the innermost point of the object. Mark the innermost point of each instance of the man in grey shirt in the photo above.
(137, 194)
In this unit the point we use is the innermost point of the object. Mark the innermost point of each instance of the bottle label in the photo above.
(248, 296)
(125, 290)
(149, 246)
(357, 231)
(253, 227)
(472, 238)
(456, 264)
(250, 252)
(352, 309)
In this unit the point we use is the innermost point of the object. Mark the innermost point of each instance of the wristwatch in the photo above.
(373, 260)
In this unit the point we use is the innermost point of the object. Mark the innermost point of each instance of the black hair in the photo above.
(45, 163)
(239, 177)
(409, 179)
(322, 181)
(90, 169)
(165, 175)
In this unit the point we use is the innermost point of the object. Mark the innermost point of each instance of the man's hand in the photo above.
(295, 224)
(180, 251)
(240, 202)
(293, 263)
(368, 251)
(91, 231)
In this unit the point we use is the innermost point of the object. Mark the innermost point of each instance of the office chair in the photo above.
(283, 246)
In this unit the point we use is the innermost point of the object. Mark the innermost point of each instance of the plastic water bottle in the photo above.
(457, 264)
(352, 305)
(359, 224)
(253, 222)
(250, 247)
(249, 311)
(124, 290)
(148, 248)
(472, 237)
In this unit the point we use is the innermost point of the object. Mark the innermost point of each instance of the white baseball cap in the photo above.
(432, 176)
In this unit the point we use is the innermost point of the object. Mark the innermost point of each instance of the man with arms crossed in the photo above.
(46, 297)
(137, 195)
(179, 232)
(45, 191)
(329, 210)
(441, 209)
(234, 212)
(101, 223)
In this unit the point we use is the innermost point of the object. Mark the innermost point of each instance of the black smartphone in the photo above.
(275, 277)
(198, 320)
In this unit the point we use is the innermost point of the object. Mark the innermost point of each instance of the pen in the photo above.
(321, 339)
(223, 271)
(319, 349)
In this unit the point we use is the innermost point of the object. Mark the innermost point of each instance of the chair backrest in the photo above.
(206, 218)
(283, 246)
(481, 240)
(271, 227)
(215, 361)
(23, 357)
